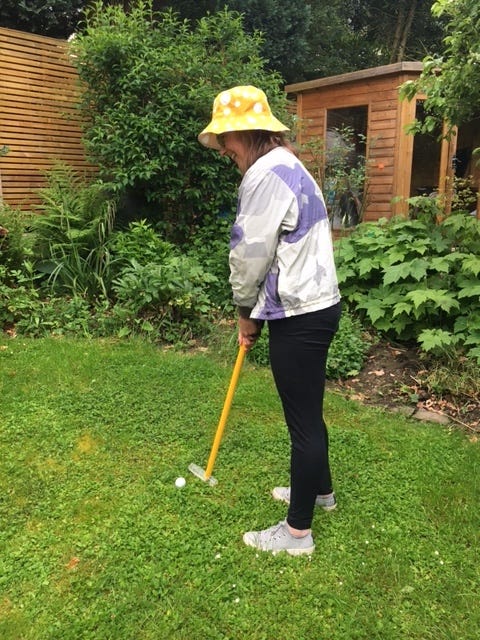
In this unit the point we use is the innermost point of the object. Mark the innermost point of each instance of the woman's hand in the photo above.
(248, 332)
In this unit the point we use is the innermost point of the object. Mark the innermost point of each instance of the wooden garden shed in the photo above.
(399, 165)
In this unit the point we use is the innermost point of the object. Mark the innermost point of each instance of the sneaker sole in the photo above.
(291, 552)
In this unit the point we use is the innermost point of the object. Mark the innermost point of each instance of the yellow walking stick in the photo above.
(206, 475)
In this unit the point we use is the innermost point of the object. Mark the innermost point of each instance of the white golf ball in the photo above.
(180, 482)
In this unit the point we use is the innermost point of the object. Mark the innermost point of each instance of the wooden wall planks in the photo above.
(390, 148)
(39, 118)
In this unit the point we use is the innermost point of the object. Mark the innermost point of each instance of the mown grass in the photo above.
(97, 543)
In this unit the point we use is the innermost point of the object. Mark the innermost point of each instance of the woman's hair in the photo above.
(260, 142)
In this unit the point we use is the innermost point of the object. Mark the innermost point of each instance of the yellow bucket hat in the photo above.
(239, 109)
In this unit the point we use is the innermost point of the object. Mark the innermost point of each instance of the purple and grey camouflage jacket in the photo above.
(281, 252)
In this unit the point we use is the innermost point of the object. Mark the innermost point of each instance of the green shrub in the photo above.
(72, 234)
(149, 81)
(157, 291)
(166, 301)
(210, 245)
(18, 295)
(103, 283)
(57, 316)
(348, 349)
(15, 241)
(346, 354)
(416, 280)
(139, 242)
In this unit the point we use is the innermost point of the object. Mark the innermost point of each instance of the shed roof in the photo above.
(363, 74)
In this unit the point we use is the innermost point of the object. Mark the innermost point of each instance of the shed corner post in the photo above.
(403, 157)
(446, 172)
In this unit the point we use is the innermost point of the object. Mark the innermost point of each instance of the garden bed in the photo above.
(394, 377)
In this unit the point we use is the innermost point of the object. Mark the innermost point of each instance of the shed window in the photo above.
(345, 164)
(426, 158)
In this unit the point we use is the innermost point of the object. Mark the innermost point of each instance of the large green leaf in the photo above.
(471, 263)
(435, 338)
(402, 307)
(395, 273)
(441, 263)
(416, 268)
(439, 297)
(470, 292)
(374, 309)
(366, 265)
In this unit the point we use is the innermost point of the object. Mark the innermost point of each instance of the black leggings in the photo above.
(298, 357)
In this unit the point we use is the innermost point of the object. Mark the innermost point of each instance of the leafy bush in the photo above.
(101, 281)
(464, 194)
(72, 233)
(149, 81)
(18, 295)
(416, 280)
(167, 301)
(348, 349)
(139, 242)
(345, 356)
(156, 290)
(15, 245)
(210, 245)
(57, 316)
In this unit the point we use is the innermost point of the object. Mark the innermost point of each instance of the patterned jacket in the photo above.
(281, 253)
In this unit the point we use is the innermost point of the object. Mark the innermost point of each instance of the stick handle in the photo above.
(225, 411)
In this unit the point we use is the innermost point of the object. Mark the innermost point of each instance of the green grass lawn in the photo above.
(97, 543)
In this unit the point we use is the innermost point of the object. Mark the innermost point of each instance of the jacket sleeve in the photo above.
(266, 209)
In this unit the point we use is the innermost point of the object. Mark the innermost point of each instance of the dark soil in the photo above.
(394, 378)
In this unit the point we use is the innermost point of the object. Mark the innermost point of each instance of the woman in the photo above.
(282, 272)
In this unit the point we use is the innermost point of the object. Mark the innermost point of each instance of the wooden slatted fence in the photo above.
(39, 118)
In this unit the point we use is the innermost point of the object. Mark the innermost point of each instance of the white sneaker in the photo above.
(278, 538)
(327, 503)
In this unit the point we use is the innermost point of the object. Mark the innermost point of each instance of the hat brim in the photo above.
(208, 137)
